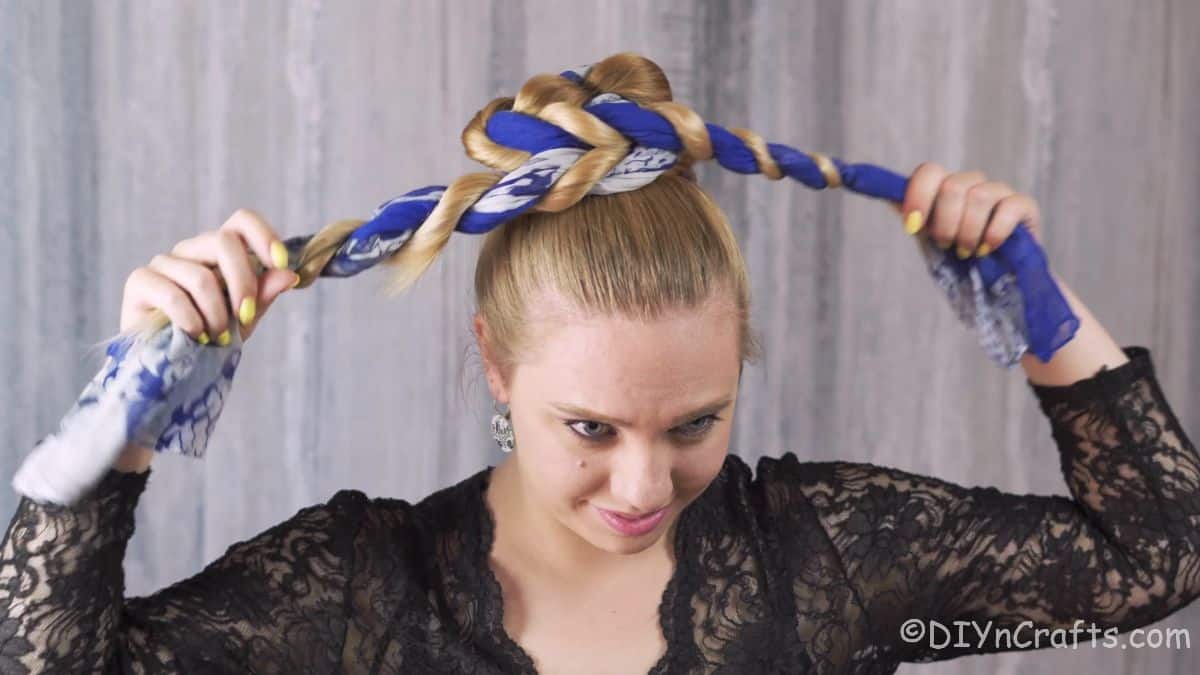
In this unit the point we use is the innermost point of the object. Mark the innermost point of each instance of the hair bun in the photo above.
(631, 76)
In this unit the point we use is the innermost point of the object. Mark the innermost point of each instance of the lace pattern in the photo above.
(797, 567)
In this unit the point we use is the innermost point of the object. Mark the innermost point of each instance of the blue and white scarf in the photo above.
(167, 392)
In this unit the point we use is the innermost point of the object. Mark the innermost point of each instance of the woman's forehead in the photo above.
(604, 361)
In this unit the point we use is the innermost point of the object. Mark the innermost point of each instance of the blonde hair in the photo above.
(640, 253)
(637, 254)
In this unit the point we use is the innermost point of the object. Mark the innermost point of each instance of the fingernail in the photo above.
(984, 249)
(279, 254)
(223, 339)
(246, 311)
(203, 339)
(296, 282)
(913, 222)
(963, 252)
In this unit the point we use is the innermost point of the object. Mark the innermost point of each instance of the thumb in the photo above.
(272, 284)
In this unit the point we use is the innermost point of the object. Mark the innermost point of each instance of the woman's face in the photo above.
(648, 407)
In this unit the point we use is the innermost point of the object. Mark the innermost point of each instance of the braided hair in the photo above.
(650, 239)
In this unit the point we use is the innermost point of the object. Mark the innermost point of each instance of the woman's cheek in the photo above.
(575, 470)
(548, 462)
(701, 469)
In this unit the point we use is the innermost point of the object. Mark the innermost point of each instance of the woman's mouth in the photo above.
(632, 527)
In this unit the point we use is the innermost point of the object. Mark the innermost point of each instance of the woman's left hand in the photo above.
(965, 210)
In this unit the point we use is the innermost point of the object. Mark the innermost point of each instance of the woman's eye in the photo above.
(592, 431)
(698, 426)
(588, 427)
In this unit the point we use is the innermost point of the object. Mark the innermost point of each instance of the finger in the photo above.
(981, 200)
(1010, 211)
(948, 206)
(147, 290)
(920, 193)
(277, 282)
(240, 277)
(201, 283)
(226, 249)
(1033, 218)
(272, 284)
(259, 236)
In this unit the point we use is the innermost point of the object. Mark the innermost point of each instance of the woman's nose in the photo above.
(642, 481)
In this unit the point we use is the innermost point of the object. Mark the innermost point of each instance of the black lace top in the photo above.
(806, 567)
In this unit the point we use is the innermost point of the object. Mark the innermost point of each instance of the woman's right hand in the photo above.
(208, 279)
(198, 285)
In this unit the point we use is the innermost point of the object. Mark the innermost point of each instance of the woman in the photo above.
(620, 536)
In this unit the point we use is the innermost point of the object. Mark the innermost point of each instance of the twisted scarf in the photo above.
(167, 392)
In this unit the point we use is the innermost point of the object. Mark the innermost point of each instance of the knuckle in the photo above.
(176, 300)
(228, 245)
(962, 181)
(244, 217)
(1010, 203)
(930, 168)
(953, 186)
(239, 214)
(133, 280)
(981, 195)
(206, 282)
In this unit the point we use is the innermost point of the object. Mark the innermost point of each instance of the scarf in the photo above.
(166, 392)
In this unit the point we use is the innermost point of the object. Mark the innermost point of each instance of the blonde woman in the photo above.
(619, 535)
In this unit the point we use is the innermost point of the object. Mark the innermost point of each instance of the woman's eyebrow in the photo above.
(580, 411)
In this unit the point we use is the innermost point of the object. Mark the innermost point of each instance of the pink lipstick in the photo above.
(632, 527)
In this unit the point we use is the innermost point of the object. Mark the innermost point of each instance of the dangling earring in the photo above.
(502, 428)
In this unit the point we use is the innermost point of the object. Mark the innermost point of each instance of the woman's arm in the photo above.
(1122, 552)
(1090, 349)
(276, 602)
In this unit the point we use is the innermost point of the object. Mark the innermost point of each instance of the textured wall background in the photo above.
(127, 126)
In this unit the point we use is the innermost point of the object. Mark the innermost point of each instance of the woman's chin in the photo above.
(622, 545)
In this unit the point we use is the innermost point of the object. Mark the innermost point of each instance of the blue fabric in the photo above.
(168, 391)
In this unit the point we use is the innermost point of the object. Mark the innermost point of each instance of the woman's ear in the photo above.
(495, 378)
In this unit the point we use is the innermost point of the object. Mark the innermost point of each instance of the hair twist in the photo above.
(601, 129)
(612, 127)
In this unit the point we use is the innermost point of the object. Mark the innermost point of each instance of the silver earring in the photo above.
(502, 428)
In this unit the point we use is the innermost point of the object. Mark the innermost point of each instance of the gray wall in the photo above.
(127, 126)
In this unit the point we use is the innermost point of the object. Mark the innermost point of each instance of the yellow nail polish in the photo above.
(223, 339)
(246, 311)
(203, 339)
(913, 222)
(279, 254)
(984, 249)
(963, 252)
(296, 282)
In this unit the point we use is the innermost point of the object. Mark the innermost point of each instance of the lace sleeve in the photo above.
(1119, 555)
(276, 602)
